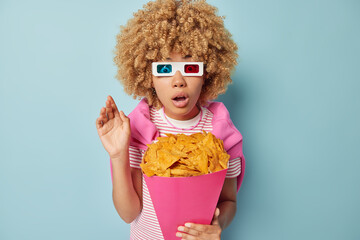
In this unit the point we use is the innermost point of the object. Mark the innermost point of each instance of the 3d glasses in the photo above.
(169, 68)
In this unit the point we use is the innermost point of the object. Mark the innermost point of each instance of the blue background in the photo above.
(295, 99)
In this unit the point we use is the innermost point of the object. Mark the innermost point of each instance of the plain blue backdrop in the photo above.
(295, 99)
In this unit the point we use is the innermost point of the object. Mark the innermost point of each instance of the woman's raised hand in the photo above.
(113, 128)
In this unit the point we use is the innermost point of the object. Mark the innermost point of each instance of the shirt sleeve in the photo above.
(135, 157)
(234, 168)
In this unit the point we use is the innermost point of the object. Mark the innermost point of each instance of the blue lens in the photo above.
(164, 68)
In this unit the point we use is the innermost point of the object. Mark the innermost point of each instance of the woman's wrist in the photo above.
(122, 157)
(123, 151)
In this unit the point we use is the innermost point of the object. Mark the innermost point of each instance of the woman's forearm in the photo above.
(227, 213)
(125, 198)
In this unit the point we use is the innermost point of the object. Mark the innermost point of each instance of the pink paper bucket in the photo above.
(178, 200)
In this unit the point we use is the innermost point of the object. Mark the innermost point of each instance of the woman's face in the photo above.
(179, 94)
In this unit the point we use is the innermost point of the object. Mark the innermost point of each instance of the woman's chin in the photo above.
(183, 112)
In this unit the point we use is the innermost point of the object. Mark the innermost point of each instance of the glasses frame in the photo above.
(177, 66)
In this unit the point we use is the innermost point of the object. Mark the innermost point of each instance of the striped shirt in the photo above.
(146, 225)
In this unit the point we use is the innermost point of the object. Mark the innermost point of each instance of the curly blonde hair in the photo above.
(189, 27)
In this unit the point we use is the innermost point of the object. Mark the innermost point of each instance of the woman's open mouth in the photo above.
(180, 100)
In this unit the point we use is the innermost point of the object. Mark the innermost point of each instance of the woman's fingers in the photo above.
(187, 230)
(103, 116)
(102, 119)
(109, 110)
(113, 105)
(215, 220)
(99, 123)
(124, 119)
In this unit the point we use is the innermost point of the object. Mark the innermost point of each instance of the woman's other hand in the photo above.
(194, 231)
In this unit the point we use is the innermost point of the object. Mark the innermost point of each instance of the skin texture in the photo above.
(167, 87)
(113, 128)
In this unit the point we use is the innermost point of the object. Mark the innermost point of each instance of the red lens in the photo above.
(191, 68)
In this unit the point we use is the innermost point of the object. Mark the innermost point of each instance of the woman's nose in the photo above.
(178, 80)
